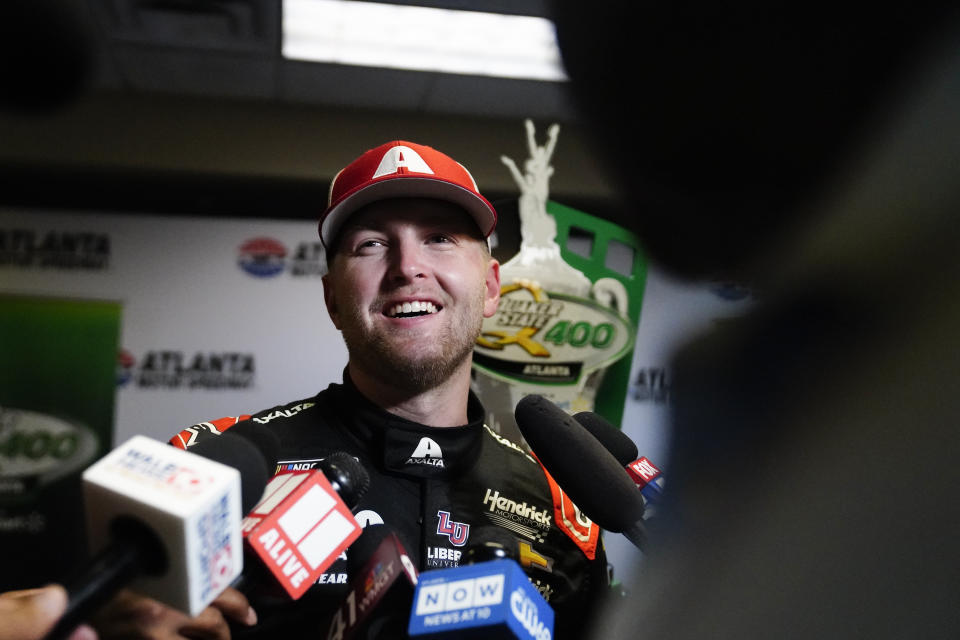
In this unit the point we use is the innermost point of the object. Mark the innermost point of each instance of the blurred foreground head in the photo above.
(724, 124)
(47, 53)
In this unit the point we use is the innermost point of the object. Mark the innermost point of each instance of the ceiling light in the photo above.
(374, 34)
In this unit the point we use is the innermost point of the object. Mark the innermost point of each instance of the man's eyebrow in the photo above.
(348, 228)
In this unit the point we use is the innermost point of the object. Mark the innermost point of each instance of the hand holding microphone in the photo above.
(168, 521)
(164, 520)
(29, 613)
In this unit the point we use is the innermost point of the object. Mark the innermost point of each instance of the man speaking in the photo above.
(410, 279)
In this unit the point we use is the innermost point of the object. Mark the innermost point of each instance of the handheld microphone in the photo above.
(218, 445)
(165, 521)
(646, 475)
(256, 469)
(648, 478)
(380, 594)
(492, 599)
(304, 521)
(613, 440)
(591, 476)
(278, 563)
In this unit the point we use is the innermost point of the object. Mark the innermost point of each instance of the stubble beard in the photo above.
(415, 364)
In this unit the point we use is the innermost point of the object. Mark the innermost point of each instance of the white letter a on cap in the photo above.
(398, 159)
(427, 449)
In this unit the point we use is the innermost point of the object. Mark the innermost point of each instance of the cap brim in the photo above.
(408, 187)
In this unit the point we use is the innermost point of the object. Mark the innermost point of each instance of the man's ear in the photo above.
(330, 301)
(492, 294)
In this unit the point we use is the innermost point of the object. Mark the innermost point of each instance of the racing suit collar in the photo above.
(410, 448)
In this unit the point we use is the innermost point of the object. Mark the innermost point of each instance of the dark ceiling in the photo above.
(231, 49)
(122, 70)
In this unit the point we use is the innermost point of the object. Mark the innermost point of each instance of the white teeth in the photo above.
(417, 306)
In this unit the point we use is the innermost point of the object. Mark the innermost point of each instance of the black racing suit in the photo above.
(436, 488)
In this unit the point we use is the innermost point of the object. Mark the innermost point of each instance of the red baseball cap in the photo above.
(401, 169)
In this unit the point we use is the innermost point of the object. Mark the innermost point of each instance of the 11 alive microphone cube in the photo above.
(299, 529)
(485, 600)
(190, 505)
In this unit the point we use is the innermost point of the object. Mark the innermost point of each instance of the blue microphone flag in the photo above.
(492, 599)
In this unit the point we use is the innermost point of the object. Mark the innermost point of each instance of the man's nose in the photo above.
(407, 262)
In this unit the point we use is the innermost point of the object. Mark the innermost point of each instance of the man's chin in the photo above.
(410, 363)
(420, 375)
(415, 370)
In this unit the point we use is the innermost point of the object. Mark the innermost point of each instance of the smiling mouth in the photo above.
(412, 309)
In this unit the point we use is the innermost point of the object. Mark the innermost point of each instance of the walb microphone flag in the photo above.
(178, 511)
(299, 529)
(492, 599)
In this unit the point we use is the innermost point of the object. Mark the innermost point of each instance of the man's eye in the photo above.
(441, 239)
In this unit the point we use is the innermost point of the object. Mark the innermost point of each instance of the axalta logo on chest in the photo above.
(283, 413)
(427, 452)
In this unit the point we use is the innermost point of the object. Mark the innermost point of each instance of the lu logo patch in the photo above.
(458, 532)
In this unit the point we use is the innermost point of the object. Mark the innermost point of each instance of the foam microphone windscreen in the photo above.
(584, 469)
(382, 580)
(364, 547)
(613, 439)
(490, 543)
(239, 452)
(346, 475)
(265, 440)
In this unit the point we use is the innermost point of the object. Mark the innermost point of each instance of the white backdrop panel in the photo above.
(185, 296)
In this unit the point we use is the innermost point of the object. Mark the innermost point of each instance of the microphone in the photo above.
(492, 598)
(282, 560)
(648, 478)
(304, 522)
(613, 440)
(646, 475)
(165, 521)
(381, 588)
(226, 449)
(214, 444)
(587, 472)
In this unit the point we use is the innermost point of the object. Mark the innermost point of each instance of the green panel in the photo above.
(57, 390)
(613, 392)
(60, 357)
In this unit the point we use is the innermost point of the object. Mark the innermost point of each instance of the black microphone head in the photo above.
(265, 440)
(347, 476)
(490, 544)
(365, 546)
(243, 455)
(595, 480)
(613, 439)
